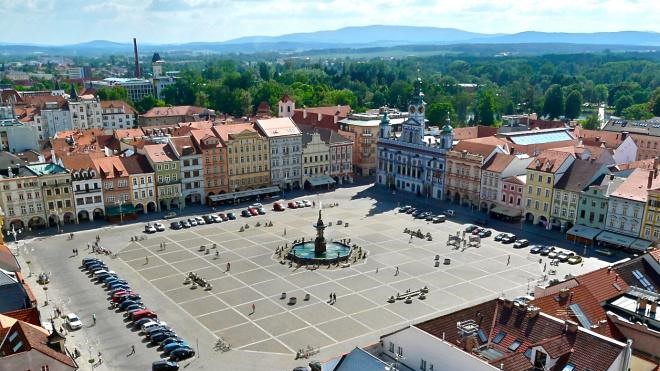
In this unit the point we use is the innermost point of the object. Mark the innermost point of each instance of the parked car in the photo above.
(185, 224)
(485, 233)
(416, 213)
(261, 211)
(114, 281)
(253, 211)
(200, 220)
(157, 329)
(547, 250)
(216, 219)
(564, 255)
(411, 210)
(477, 230)
(73, 321)
(256, 205)
(134, 307)
(159, 227)
(520, 244)
(118, 285)
(500, 236)
(429, 217)
(510, 238)
(158, 337)
(300, 204)
(553, 254)
(126, 303)
(89, 260)
(223, 216)
(145, 313)
(231, 216)
(245, 214)
(164, 365)
(292, 205)
(277, 206)
(439, 218)
(126, 296)
(173, 339)
(420, 214)
(167, 349)
(148, 228)
(574, 259)
(176, 225)
(181, 354)
(405, 208)
(170, 215)
(208, 219)
(150, 324)
(192, 221)
(470, 228)
(307, 203)
(536, 249)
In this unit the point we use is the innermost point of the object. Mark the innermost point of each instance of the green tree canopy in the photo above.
(486, 107)
(573, 104)
(553, 104)
(437, 113)
(113, 93)
(622, 103)
(147, 103)
(591, 123)
(637, 112)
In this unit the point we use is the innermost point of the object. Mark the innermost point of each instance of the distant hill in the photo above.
(376, 36)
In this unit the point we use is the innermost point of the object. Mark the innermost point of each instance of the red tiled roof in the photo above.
(173, 111)
(197, 125)
(285, 98)
(35, 338)
(224, 131)
(603, 284)
(29, 315)
(77, 161)
(473, 132)
(200, 135)
(137, 164)
(477, 147)
(545, 124)
(128, 109)
(635, 186)
(110, 167)
(128, 133)
(610, 139)
(159, 153)
(549, 161)
(184, 144)
(498, 162)
(8, 261)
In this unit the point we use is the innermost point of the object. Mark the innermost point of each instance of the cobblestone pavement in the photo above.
(268, 337)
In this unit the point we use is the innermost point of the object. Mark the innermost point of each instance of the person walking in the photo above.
(228, 267)
(508, 259)
(94, 318)
(253, 308)
(132, 350)
(146, 260)
(397, 271)
(334, 297)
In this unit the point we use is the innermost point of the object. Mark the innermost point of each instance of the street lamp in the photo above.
(121, 213)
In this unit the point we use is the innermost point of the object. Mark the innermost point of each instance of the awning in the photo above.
(615, 239)
(242, 194)
(641, 245)
(116, 211)
(321, 180)
(582, 231)
(506, 211)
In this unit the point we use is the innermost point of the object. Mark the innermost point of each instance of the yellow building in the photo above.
(651, 229)
(248, 156)
(542, 175)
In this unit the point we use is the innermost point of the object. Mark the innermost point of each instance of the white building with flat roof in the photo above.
(286, 148)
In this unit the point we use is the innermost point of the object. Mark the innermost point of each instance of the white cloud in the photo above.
(216, 20)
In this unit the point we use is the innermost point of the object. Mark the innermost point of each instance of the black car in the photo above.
(208, 219)
(411, 210)
(157, 338)
(231, 216)
(95, 266)
(126, 303)
(245, 214)
(536, 249)
(173, 339)
(181, 353)
(176, 225)
(429, 217)
(88, 260)
(510, 238)
(164, 365)
(500, 236)
(403, 209)
(520, 244)
(416, 213)
(485, 233)
(138, 324)
(470, 228)
(157, 329)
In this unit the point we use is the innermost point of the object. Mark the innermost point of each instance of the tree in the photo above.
(147, 103)
(486, 107)
(553, 104)
(340, 97)
(637, 112)
(622, 103)
(573, 104)
(591, 123)
(180, 93)
(655, 102)
(113, 93)
(437, 113)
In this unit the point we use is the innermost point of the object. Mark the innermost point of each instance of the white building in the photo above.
(85, 111)
(117, 114)
(137, 88)
(191, 169)
(160, 80)
(53, 117)
(411, 161)
(315, 161)
(625, 214)
(285, 107)
(86, 184)
(14, 135)
(286, 149)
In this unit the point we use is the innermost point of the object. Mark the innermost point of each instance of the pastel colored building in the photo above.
(214, 157)
(286, 146)
(167, 172)
(248, 156)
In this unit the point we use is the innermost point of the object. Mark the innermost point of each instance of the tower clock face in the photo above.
(420, 109)
(411, 109)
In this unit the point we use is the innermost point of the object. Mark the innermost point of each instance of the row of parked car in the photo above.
(124, 299)
(194, 221)
(551, 252)
(426, 215)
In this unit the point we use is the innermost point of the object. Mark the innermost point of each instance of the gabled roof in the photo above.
(77, 161)
(174, 111)
(642, 265)
(609, 139)
(479, 146)
(498, 162)
(128, 109)
(128, 133)
(8, 261)
(635, 186)
(184, 146)
(200, 135)
(197, 125)
(225, 131)
(473, 132)
(603, 284)
(137, 164)
(327, 135)
(278, 127)
(519, 179)
(549, 161)
(159, 153)
(578, 175)
(110, 167)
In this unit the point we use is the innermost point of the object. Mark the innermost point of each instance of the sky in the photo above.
(58, 22)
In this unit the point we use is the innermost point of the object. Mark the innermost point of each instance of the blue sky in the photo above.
(177, 21)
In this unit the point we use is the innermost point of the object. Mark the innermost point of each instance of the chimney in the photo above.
(533, 311)
(508, 304)
(304, 113)
(512, 151)
(571, 327)
(624, 135)
(137, 61)
(654, 308)
(469, 343)
(651, 176)
(563, 293)
(642, 305)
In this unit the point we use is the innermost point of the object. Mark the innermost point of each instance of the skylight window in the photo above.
(515, 345)
(568, 367)
(528, 353)
(482, 336)
(498, 338)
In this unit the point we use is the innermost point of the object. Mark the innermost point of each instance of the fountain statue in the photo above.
(319, 242)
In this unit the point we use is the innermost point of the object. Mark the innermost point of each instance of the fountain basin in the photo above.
(304, 253)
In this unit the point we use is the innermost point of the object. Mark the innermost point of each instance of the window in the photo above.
(582, 212)
(568, 367)
(547, 193)
(515, 345)
(528, 353)
(482, 336)
(549, 180)
(498, 338)
(391, 347)
(422, 365)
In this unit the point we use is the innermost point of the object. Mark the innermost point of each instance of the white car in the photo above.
(73, 321)
(152, 324)
(148, 228)
(216, 219)
(255, 206)
(159, 227)
(307, 203)
(200, 220)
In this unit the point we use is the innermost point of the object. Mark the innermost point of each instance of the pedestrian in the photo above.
(94, 318)
(132, 349)
(334, 297)
(146, 260)
(73, 251)
(376, 270)
(397, 271)
(285, 231)
(88, 246)
(545, 266)
(228, 266)
(253, 307)
(508, 260)
(100, 358)
(313, 203)
(410, 240)
(331, 297)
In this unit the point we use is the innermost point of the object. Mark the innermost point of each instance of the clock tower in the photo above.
(413, 127)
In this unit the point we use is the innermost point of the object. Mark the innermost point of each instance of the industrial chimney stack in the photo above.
(137, 61)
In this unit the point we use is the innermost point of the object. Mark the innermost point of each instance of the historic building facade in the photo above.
(413, 162)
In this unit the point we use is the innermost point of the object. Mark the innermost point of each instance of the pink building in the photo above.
(512, 194)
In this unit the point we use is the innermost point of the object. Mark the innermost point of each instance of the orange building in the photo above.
(214, 158)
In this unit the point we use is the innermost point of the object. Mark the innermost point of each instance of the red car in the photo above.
(253, 211)
(292, 205)
(144, 313)
(223, 217)
(117, 296)
(278, 206)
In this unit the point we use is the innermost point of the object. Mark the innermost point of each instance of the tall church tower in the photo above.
(384, 130)
(447, 135)
(413, 127)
